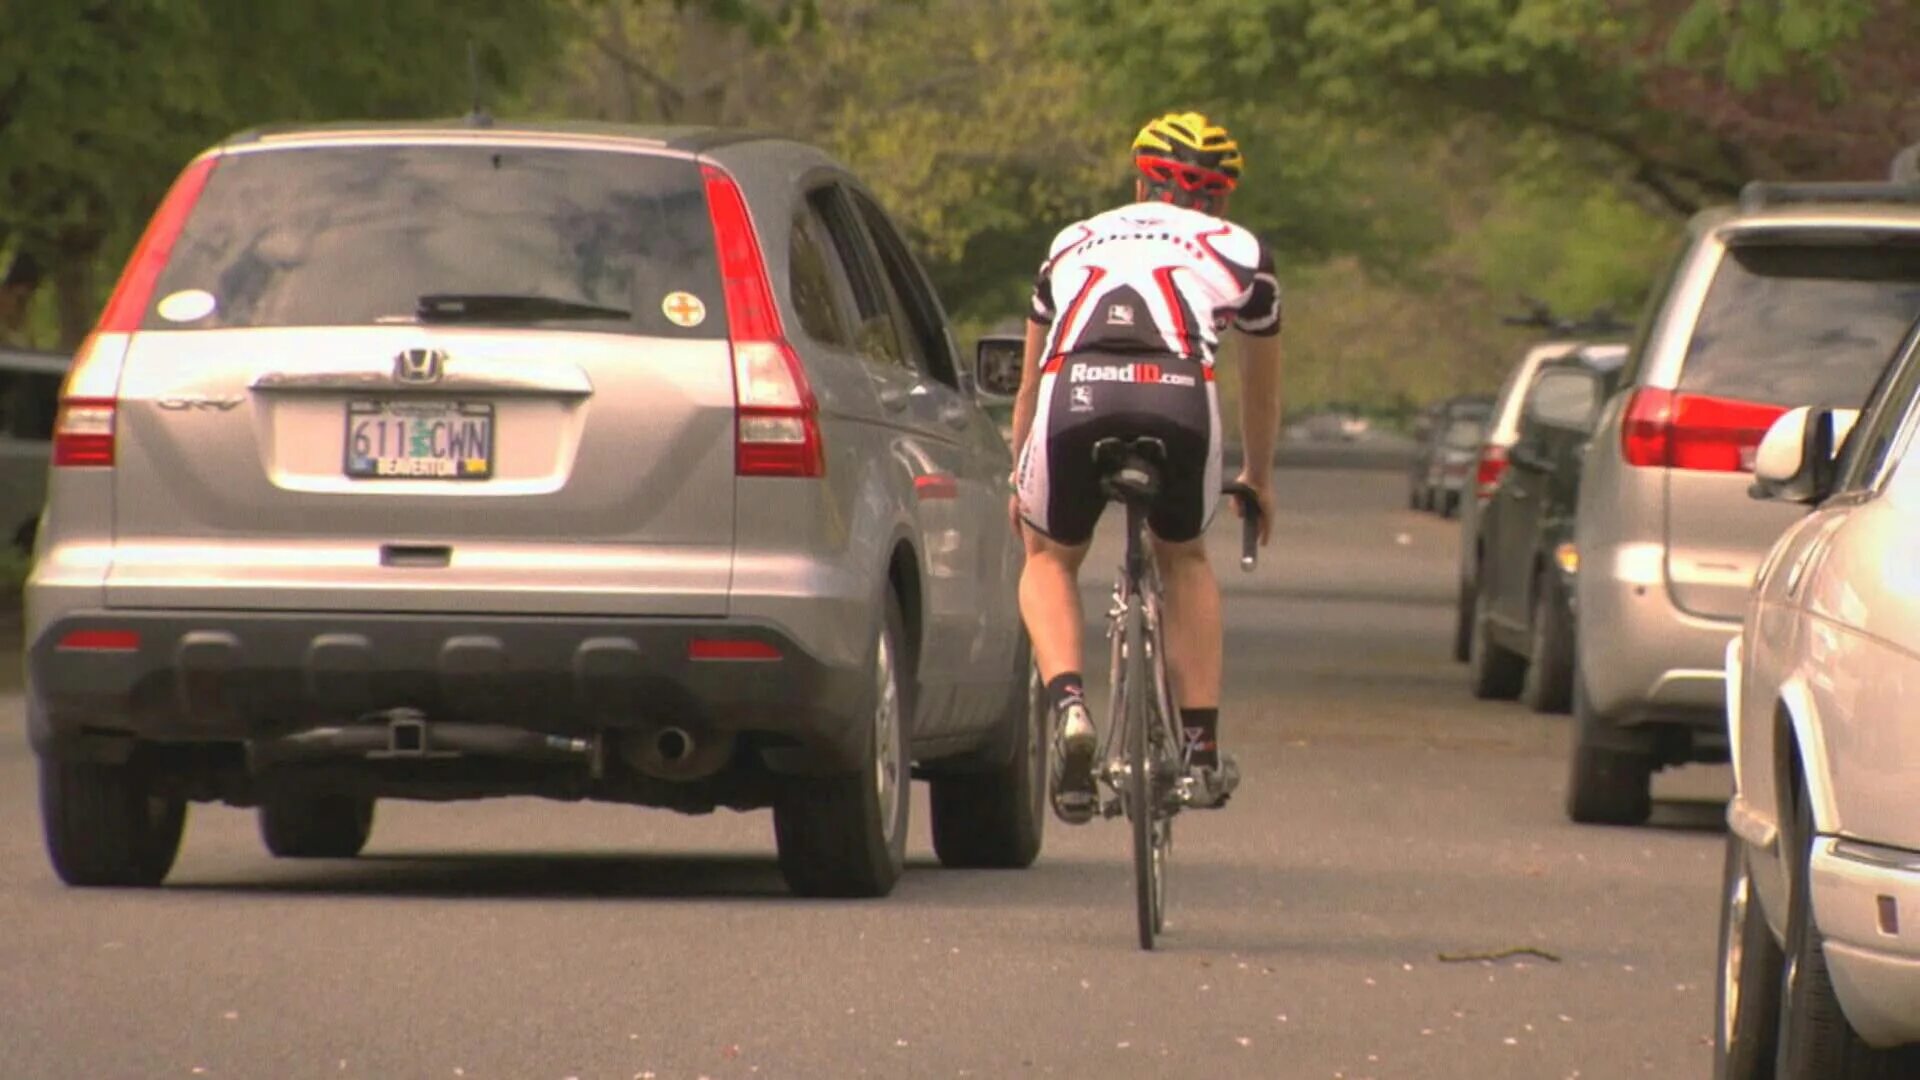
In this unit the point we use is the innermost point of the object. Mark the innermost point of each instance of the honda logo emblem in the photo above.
(419, 366)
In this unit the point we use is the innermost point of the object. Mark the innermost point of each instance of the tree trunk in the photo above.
(74, 297)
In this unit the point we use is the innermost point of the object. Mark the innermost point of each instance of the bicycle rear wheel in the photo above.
(1149, 865)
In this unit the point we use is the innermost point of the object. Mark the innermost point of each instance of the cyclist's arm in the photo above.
(1259, 404)
(1028, 401)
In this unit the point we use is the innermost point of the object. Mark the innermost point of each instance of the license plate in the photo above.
(419, 440)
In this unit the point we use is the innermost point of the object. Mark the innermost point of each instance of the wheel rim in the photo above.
(886, 738)
(1732, 955)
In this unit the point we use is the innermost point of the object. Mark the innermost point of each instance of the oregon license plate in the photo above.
(419, 440)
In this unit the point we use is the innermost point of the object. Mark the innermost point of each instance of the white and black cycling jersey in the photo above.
(1153, 277)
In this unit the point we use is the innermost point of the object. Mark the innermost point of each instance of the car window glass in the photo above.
(920, 313)
(1563, 399)
(1650, 314)
(352, 235)
(812, 285)
(1802, 324)
(875, 335)
(28, 402)
(1869, 448)
(1464, 434)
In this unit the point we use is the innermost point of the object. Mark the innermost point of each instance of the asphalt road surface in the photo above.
(1387, 818)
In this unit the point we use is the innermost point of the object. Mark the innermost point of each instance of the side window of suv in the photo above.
(1656, 304)
(811, 281)
(874, 333)
(921, 323)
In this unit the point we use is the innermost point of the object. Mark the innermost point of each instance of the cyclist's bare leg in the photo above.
(1192, 605)
(1050, 603)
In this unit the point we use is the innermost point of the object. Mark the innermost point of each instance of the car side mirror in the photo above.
(1798, 458)
(996, 366)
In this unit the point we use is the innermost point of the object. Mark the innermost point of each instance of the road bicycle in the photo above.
(1143, 767)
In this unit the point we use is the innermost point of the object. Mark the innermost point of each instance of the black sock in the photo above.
(1203, 736)
(1064, 689)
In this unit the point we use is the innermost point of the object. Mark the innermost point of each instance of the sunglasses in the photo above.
(1190, 178)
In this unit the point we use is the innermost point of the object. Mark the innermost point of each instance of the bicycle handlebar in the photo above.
(1249, 524)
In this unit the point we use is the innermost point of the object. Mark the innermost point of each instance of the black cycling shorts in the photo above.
(1086, 397)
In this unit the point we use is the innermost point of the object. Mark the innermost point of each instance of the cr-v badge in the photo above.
(419, 366)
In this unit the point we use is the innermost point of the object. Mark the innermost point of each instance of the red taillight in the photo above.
(127, 307)
(730, 649)
(1493, 465)
(777, 425)
(101, 640)
(1693, 431)
(83, 433)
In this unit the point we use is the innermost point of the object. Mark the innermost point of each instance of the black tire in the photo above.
(316, 826)
(996, 819)
(1463, 623)
(1815, 1041)
(1413, 496)
(838, 835)
(104, 825)
(1605, 785)
(1140, 809)
(1494, 672)
(1548, 686)
(1746, 1000)
(1450, 504)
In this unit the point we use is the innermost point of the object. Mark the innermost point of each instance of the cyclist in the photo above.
(1127, 311)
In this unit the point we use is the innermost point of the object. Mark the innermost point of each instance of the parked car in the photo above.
(1502, 430)
(1437, 466)
(1798, 296)
(442, 461)
(1523, 629)
(1820, 925)
(29, 390)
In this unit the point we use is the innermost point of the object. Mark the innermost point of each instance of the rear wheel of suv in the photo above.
(1605, 785)
(846, 835)
(316, 826)
(1815, 1040)
(105, 825)
(1494, 672)
(996, 818)
(1548, 687)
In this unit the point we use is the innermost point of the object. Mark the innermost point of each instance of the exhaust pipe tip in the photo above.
(674, 745)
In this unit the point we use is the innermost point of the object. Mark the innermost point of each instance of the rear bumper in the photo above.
(1642, 659)
(246, 676)
(1876, 974)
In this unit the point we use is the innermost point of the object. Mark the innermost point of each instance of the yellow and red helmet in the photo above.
(1185, 151)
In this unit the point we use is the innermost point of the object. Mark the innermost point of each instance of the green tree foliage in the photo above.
(102, 102)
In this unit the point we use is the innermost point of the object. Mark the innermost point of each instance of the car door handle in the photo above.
(1516, 494)
(895, 399)
(956, 417)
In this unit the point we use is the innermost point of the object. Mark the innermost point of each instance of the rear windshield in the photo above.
(1803, 324)
(1464, 434)
(352, 235)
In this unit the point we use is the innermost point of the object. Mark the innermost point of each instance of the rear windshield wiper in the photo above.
(489, 307)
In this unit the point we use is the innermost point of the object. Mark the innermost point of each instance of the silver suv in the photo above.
(1797, 297)
(447, 461)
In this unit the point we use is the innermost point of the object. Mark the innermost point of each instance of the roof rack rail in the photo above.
(1761, 194)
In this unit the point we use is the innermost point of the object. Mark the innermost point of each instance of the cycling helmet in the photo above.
(1187, 159)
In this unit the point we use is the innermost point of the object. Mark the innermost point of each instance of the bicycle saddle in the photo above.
(1130, 468)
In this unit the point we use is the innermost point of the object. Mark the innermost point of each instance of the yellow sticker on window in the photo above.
(683, 309)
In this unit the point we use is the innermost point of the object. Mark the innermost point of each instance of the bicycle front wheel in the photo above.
(1149, 868)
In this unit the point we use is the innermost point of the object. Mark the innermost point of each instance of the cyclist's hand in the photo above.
(1263, 493)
